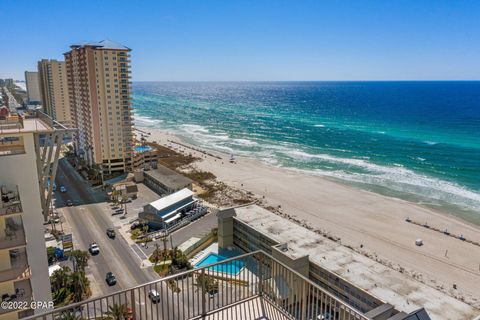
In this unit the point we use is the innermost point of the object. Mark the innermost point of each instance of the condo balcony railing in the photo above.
(249, 286)
(10, 201)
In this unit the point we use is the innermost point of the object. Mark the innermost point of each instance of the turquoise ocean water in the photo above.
(418, 141)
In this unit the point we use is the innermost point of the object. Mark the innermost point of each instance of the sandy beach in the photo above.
(369, 223)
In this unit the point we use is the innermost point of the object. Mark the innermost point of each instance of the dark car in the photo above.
(69, 203)
(137, 224)
(111, 233)
(110, 279)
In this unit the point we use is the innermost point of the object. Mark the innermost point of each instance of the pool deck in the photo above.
(213, 248)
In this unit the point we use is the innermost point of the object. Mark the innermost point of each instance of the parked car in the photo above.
(110, 279)
(111, 233)
(54, 219)
(136, 224)
(69, 203)
(154, 296)
(63, 189)
(94, 249)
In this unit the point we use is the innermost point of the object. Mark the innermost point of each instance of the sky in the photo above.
(257, 40)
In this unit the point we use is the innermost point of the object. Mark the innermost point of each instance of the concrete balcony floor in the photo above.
(15, 240)
(25, 294)
(19, 268)
(255, 309)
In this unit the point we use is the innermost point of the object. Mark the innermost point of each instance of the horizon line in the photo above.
(359, 80)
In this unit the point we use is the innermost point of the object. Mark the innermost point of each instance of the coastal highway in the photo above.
(88, 219)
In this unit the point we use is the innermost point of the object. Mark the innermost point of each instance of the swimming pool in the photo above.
(232, 267)
(142, 148)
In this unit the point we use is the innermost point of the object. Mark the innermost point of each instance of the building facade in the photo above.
(33, 87)
(54, 91)
(25, 169)
(370, 287)
(165, 181)
(98, 76)
(162, 213)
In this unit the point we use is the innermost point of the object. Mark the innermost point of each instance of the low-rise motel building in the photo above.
(29, 151)
(374, 289)
(166, 211)
(163, 180)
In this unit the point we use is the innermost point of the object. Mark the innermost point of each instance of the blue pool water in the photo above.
(142, 148)
(232, 267)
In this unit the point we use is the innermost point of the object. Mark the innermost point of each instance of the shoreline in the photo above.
(376, 228)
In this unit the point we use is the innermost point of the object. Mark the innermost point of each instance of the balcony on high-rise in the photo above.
(10, 203)
(12, 234)
(250, 286)
(19, 293)
(15, 265)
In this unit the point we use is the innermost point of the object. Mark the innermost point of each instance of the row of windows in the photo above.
(353, 295)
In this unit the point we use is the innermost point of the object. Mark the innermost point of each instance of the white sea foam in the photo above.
(397, 178)
(430, 142)
(194, 128)
(245, 142)
(142, 121)
(319, 125)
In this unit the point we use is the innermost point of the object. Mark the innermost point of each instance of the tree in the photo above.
(62, 297)
(79, 285)
(50, 255)
(117, 312)
(70, 316)
(207, 283)
(155, 254)
(180, 260)
(81, 259)
(60, 278)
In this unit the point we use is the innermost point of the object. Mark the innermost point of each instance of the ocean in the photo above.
(418, 141)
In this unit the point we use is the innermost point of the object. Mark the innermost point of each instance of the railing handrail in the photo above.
(199, 270)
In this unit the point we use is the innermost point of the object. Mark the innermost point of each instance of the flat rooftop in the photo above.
(172, 199)
(388, 285)
(169, 178)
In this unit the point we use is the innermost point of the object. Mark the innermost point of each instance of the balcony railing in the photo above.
(253, 285)
(10, 201)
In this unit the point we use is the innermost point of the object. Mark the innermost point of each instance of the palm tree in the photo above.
(70, 316)
(79, 285)
(117, 312)
(165, 240)
(60, 278)
(81, 259)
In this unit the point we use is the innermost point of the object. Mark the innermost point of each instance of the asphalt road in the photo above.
(89, 219)
(89, 222)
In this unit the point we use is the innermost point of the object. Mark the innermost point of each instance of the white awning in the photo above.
(175, 217)
(174, 211)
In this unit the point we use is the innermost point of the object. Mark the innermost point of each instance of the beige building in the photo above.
(54, 91)
(100, 93)
(372, 288)
(29, 150)
(33, 87)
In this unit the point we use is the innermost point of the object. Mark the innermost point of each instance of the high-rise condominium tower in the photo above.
(29, 151)
(99, 87)
(54, 90)
(33, 87)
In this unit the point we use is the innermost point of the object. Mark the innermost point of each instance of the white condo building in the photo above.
(29, 150)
